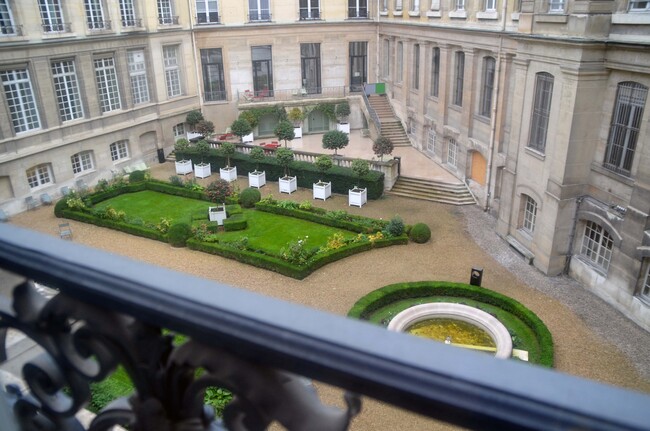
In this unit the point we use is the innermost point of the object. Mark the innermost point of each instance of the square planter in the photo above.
(343, 127)
(322, 190)
(248, 138)
(202, 170)
(256, 179)
(193, 135)
(357, 197)
(228, 174)
(217, 214)
(297, 131)
(183, 167)
(288, 184)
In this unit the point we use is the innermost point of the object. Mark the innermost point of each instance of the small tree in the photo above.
(284, 157)
(323, 163)
(343, 111)
(296, 116)
(217, 191)
(360, 168)
(193, 118)
(206, 128)
(284, 132)
(250, 117)
(382, 146)
(241, 127)
(257, 155)
(228, 150)
(202, 148)
(335, 140)
(181, 145)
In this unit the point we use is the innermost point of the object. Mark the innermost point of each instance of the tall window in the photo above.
(398, 5)
(7, 25)
(460, 5)
(459, 78)
(309, 9)
(138, 76)
(530, 214)
(597, 245)
(415, 5)
(207, 11)
(127, 14)
(416, 67)
(624, 128)
(262, 70)
(172, 71)
(166, 12)
(94, 14)
(435, 71)
(357, 9)
(66, 88)
(106, 78)
(490, 5)
(259, 10)
(556, 6)
(541, 111)
(384, 6)
(82, 162)
(639, 5)
(431, 140)
(39, 175)
(452, 152)
(386, 62)
(119, 150)
(179, 131)
(485, 108)
(51, 15)
(399, 62)
(20, 100)
(310, 67)
(358, 65)
(214, 84)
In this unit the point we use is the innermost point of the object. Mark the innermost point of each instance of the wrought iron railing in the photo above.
(304, 93)
(62, 27)
(373, 114)
(207, 18)
(214, 96)
(307, 14)
(11, 30)
(136, 22)
(168, 20)
(354, 12)
(263, 15)
(98, 25)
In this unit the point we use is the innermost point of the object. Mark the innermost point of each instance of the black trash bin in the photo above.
(476, 276)
(161, 155)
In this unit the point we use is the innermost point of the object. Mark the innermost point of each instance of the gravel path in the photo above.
(592, 340)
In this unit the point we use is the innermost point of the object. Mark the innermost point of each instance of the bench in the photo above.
(521, 249)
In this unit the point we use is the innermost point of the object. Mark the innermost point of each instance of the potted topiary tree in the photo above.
(287, 183)
(217, 192)
(192, 119)
(241, 127)
(342, 114)
(284, 132)
(202, 169)
(358, 196)
(228, 173)
(183, 165)
(296, 115)
(205, 128)
(382, 146)
(257, 178)
(252, 120)
(335, 140)
(323, 189)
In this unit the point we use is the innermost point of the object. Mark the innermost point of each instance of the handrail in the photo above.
(371, 111)
(294, 94)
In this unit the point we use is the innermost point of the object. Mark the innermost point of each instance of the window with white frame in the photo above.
(127, 14)
(309, 9)
(460, 5)
(485, 105)
(166, 12)
(179, 131)
(399, 62)
(39, 175)
(435, 71)
(452, 152)
(386, 59)
(411, 127)
(597, 245)
(398, 5)
(138, 76)
(94, 15)
(51, 15)
(357, 8)
(490, 5)
(556, 6)
(529, 214)
(384, 6)
(20, 100)
(66, 88)
(431, 140)
(624, 127)
(7, 26)
(106, 78)
(645, 289)
(459, 78)
(207, 11)
(639, 5)
(416, 67)
(172, 71)
(82, 162)
(259, 10)
(119, 150)
(541, 111)
(415, 5)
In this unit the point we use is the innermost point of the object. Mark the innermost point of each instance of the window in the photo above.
(95, 15)
(106, 78)
(435, 72)
(431, 140)
(624, 128)
(357, 9)
(207, 11)
(459, 81)
(411, 127)
(20, 100)
(384, 6)
(400, 61)
(262, 70)
(166, 13)
(51, 15)
(172, 71)
(597, 245)
(138, 76)
(398, 5)
(214, 85)
(7, 25)
(460, 5)
(259, 10)
(415, 5)
(82, 162)
(66, 88)
(530, 214)
(645, 289)
(416, 67)
(490, 5)
(541, 111)
(386, 63)
(39, 175)
(639, 5)
(358, 65)
(310, 67)
(119, 150)
(309, 9)
(127, 14)
(452, 152)
(487, 89)
(179, 131)
(556, 6)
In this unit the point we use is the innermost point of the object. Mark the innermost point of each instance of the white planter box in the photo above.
(357, 197)
(217, 214)
(248, 138)
(322, 190)
(228, 174)
(193, 135)
(297, 131)
(183, 167)
(288, 184)
(256, 179)
(343, 127)
(202, 170)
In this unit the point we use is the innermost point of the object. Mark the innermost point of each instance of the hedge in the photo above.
(235, 222)
(116, 225)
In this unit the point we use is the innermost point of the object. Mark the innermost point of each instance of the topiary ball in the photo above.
(136, 176)
(178, 234)
(420, 233)
(249, 197)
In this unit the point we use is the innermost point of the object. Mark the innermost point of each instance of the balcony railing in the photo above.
(207, 18)
(214, 96)
(98, 25)
(354, 12)
(307, 14)
(294, 94)
(134, 22)
(109, 312)
(11, 30)
(168, 20)
(63, 27)
(259, 16)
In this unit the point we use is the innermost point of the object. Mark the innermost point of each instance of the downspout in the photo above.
(377, 50)
(196, 59)
(572, 235)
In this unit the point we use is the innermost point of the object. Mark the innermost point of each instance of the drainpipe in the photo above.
(572, 235)
(196, 59)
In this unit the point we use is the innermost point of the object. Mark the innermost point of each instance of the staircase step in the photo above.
(434, 191)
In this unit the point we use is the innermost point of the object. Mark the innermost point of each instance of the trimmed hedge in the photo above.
(116, 225)
(379, 298)
(235, 222)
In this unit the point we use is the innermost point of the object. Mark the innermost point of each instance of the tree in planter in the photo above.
(323, 163)
(284, 157)
(257, 155)
(241, 127)
(361, 168)
(295, 115)
(217, 191)
(228, 150)
(335, 140)
(202, 148)
(193, 118)
(206, 128)
(343, 112)
(284, 131)
(382, 146)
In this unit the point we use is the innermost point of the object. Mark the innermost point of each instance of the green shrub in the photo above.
(420, 233)
(236, 222)
(395, 227)
(59, 207)
(249, 197)
(137, 176)
(217, 191)
(178, 234)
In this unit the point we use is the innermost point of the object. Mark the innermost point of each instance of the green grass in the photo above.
(114, 386)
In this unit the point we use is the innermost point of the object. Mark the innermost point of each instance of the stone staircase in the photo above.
(431, 190)
(171, 157)
(391, 126)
